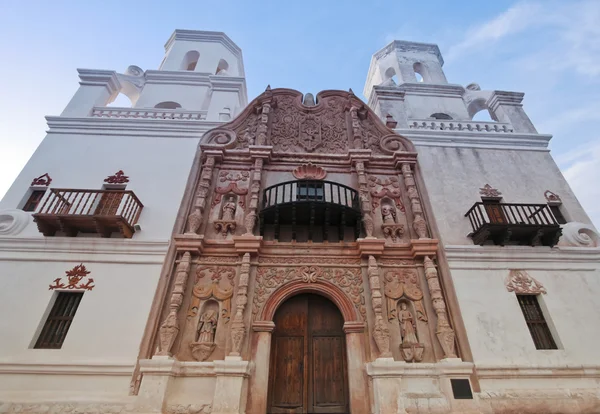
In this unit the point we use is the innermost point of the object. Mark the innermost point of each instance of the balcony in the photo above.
(502, 223)
(452, 125)
(103, 212)
(310, 210)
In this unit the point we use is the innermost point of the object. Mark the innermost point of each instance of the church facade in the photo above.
(196, 253)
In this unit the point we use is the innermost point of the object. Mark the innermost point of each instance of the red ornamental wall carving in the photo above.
(118, 178)
(488, 191)
(552, 198)
(233, 176)
(208, 285)
(339, 122)
(268, 279)
(76, 280)
(385, 187)
(520, 282)
(42, 180)
(231, 188)
(309, 172)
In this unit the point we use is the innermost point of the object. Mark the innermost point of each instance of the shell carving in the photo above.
(309, 171)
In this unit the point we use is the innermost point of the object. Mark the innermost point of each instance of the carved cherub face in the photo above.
(386, 210)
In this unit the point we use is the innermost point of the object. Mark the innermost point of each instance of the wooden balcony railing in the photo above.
(503, 223)
(88, 211)
(308, 205)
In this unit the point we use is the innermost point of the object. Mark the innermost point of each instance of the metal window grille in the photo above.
(538, 327)
(59, 321)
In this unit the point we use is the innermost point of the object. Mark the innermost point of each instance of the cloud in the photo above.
(581, 168)
(516, 19)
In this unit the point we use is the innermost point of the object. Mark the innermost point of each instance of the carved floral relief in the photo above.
(520, 282)
(270, 278)
(75, 280)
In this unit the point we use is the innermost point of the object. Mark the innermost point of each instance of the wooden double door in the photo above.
(308, 372)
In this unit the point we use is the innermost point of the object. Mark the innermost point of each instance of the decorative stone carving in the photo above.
(42, 180)
(309, 172)
(393, 231)
(205, 336)
(13, 221)
(270, 278)
(385, 187)
(213, 290)
(490, 192)
(75, 280)
(419, 223)
(552, 198)
(225, 226)
(577, 234)
(392, 143)
(444, 331)
(365, 203)
(221, 137)
(369, 224)
(308, 260)
(118, 178)
(195, 218)
(411, 348)
(400, 284)
(233, 176)
(238, 329)
(381, 331)
(227, 223)
(521, 283)
(232, 188)
(170, 326)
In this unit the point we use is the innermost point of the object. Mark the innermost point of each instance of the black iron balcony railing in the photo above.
(89, 211)
(309, 205)
(503, 223)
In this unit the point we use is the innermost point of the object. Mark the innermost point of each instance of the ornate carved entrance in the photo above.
(308, 358)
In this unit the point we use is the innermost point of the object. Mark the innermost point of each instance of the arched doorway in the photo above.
(308, 372)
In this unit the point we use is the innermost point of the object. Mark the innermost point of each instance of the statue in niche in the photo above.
(205, 344)
(229, 209)
(407, 325)
(388, 213)
(207, 326)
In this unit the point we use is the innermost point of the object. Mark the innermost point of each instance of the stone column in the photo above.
(419, 223)
(230, 388)
(444, 331)
(381, 331)
(238, 329)
(359, 398)
(261, 358)
(96, 88)
(169, 329)
(359, 157)
(195, 218)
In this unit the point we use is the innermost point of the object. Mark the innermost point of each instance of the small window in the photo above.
(34, 200)
(59, 321)
(312, 191)
(190, 60)
(534, 317)
(558, 215)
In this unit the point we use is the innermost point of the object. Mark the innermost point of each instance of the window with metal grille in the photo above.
(538, 327)
(312, 191)
(558, 215)
(59, 321)
(34, 199)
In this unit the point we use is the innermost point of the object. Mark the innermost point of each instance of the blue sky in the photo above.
(548, 49)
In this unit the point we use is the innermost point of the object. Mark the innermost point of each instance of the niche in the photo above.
(206, 329)
(190, 60)
(389, 217)
(222, 68)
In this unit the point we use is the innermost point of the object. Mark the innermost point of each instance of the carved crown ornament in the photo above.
(490, 192)
(520, 282)
(117, 178)
(338, 122)
(76, 280)
(42, 180)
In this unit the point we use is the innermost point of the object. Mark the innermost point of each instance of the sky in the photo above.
(549, 49)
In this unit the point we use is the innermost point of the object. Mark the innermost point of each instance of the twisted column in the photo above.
(444, 331)
(381, 331)
(195, 218)
(419, 223)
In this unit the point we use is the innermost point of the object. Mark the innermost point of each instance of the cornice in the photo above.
(147, 128)
(406, 46)
(507, 257)
(475, 139)
(66, 369)
(431, 89)
(99, 77)
(87, 249)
